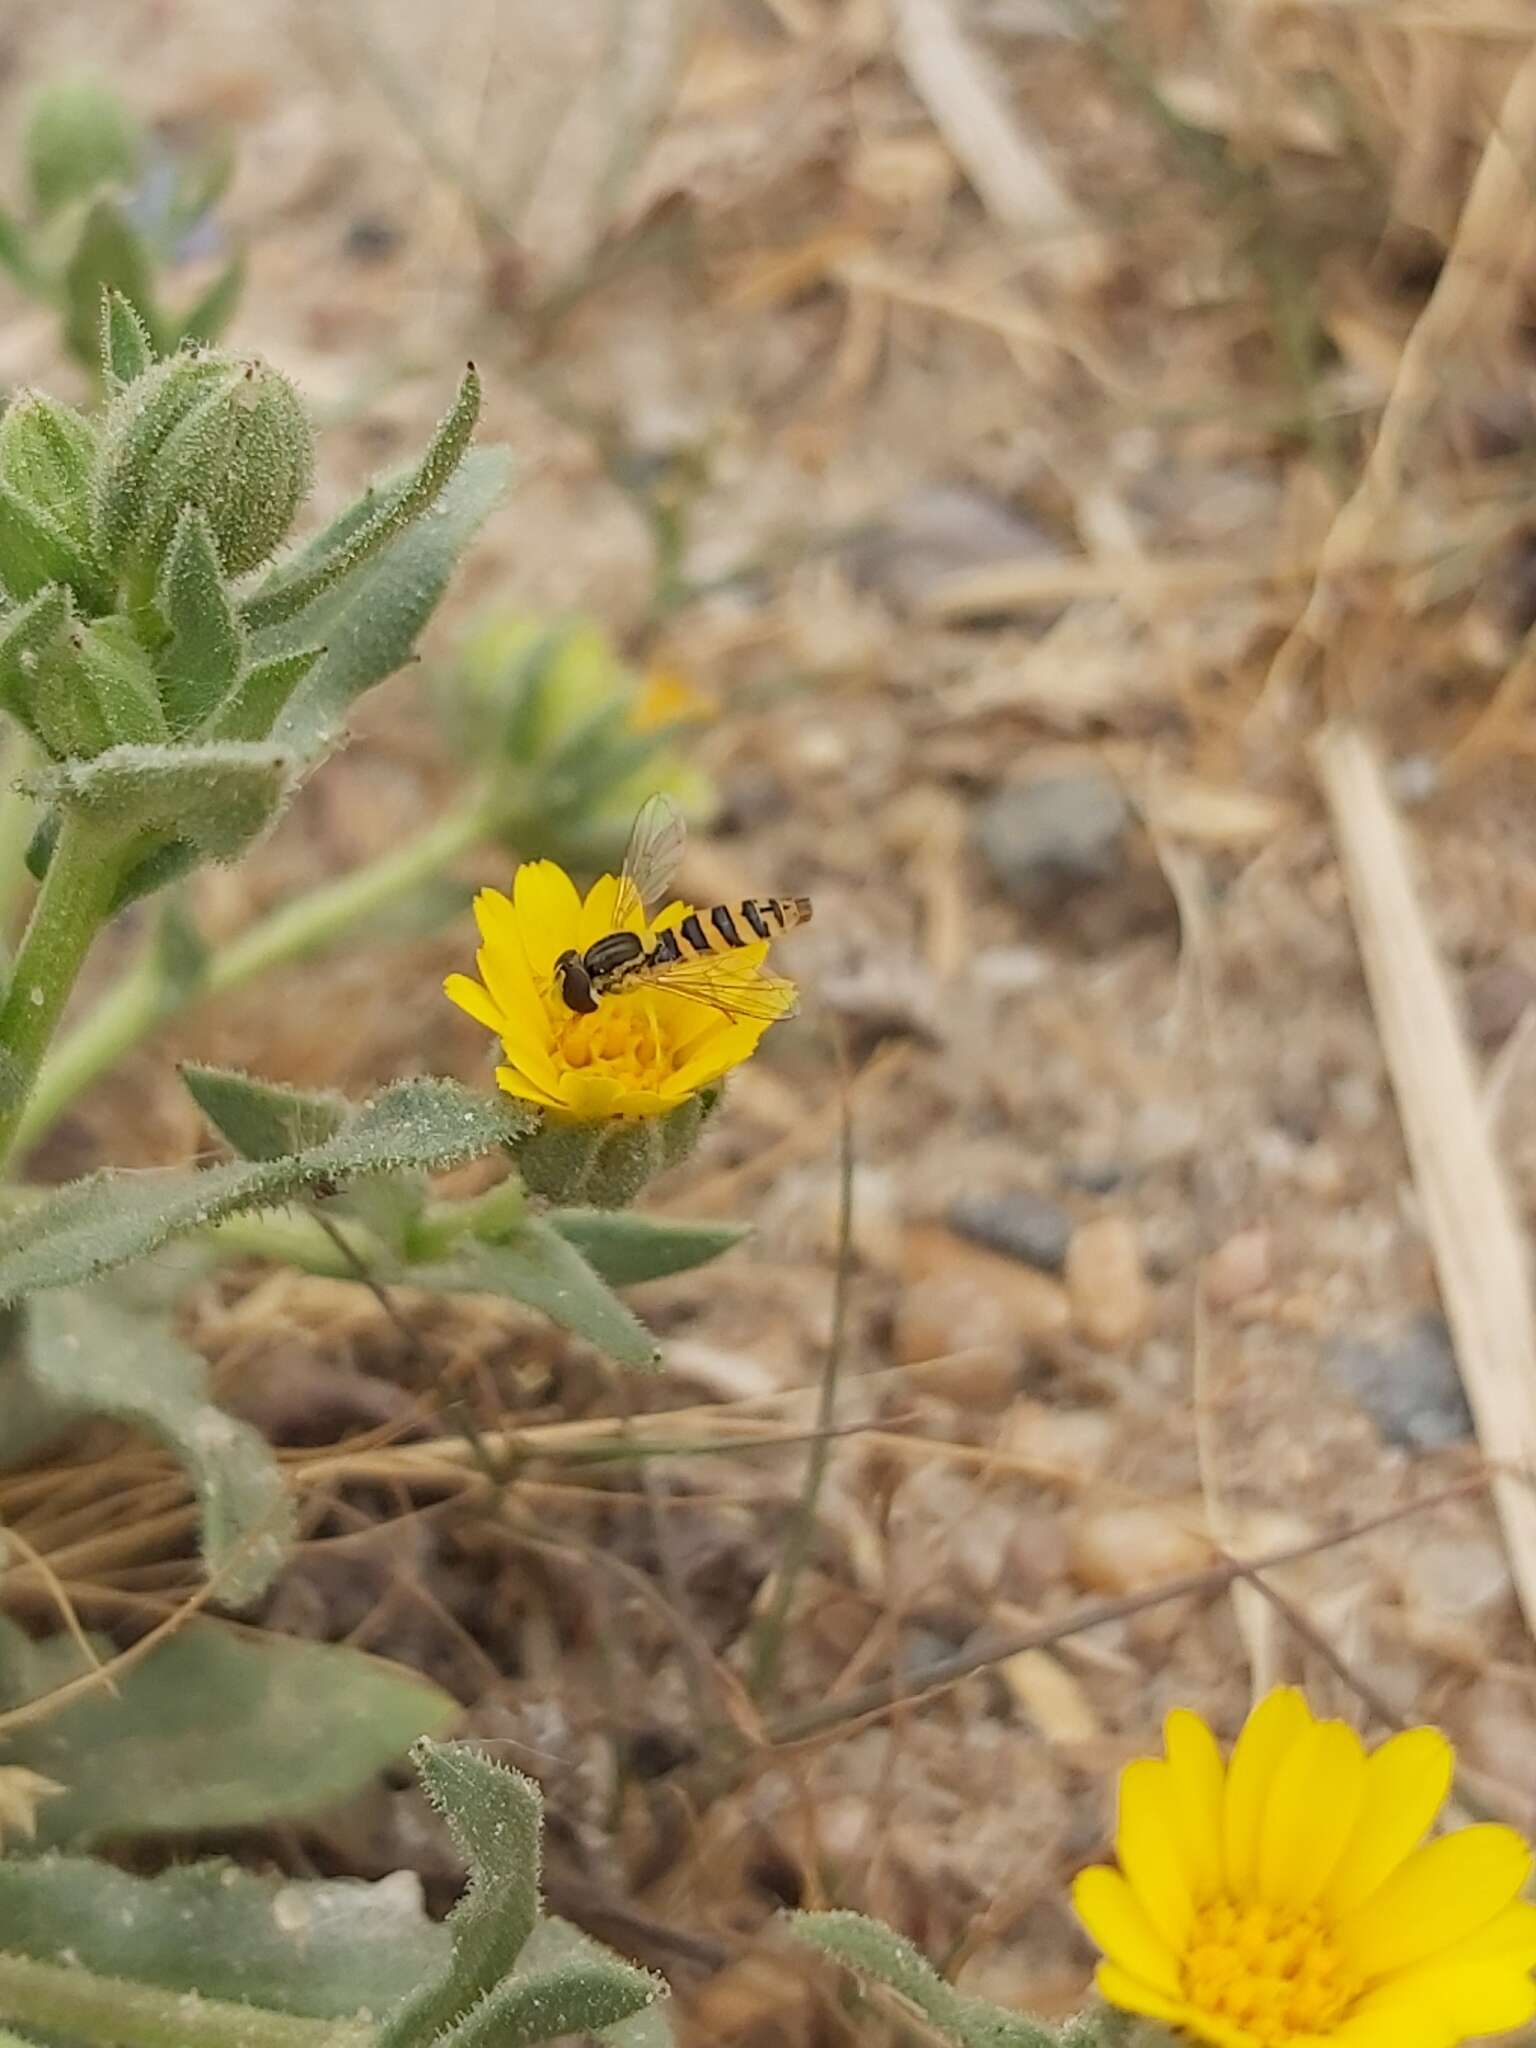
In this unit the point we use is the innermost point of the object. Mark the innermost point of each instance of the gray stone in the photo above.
(1018, 1224)
(1049, 840)
(1406, 1381)
(940, 530)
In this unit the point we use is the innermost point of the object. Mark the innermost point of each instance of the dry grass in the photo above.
(1257, 400)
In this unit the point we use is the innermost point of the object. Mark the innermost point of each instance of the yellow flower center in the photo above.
(619, 1039)
(1274, 1972)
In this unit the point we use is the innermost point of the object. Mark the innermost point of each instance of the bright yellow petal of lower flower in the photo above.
(1118, 1922)
(1200, 1776)
(511, 1082)
(1132, 1994)
(1406, 1782)
(1150, 1848)
(1279, 1719)
(1444, 1892)
(1310, 1814)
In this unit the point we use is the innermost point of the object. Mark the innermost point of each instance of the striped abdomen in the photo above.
(726, 926)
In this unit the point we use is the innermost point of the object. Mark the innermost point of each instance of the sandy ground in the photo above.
(759, 255)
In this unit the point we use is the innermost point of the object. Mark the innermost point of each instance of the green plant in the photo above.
(108, 208)
(209, 1956)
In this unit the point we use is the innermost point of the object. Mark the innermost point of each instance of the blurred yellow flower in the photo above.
(642, 1052)
(1284, 1900)
(666, 697)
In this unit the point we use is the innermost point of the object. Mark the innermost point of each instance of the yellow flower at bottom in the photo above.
(1287, 1898)
(642, 1052)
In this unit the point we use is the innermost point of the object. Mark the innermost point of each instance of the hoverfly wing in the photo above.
(762, 998)
(651, 859)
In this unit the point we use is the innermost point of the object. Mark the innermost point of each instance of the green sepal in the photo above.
(36, 550)
(260, 697)
(218, 798)
(78, 136)
(289, 591)
(110, 255)
(626, 1249)
(604, 1164)
(259, 1119)
(127, 350)
(200, 667)
(116, 680)
(28, 634)
(47, 452)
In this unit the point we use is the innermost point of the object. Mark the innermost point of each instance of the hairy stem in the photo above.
(73, 2004)
(144, 999)
(72, 905)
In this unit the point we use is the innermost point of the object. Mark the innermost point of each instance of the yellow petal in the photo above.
(1115, 1918)
(511, 1082)
(1198, 1773)
(1150, 1848)
(590, 1097)
(1279, 1719)
(525, 1027)
(1310, 1814)
(1406, 1781)
(1443, 1893)
(1120, 1987)
(1510, 1937)
(473, 1000)
(1123, 1988)
(1476, 1998)
(714, 1057)
(548, 913)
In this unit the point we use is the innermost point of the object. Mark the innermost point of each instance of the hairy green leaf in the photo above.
(326, 1950)
(554, 1942)
(572, 1998)
(126, 349)
(213, 1728)
(207, 650)
(371, 621)
(290, 591)
(494, 1815)
(258, 699)
(874, 1951)
(624, 1249)
(540, 1267)
(36, 550)
(260, 1119)
(92, 1226)
(92, 1356)
(217, 797)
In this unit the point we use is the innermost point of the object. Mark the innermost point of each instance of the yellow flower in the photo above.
(1284, 1900)
(642, 1052)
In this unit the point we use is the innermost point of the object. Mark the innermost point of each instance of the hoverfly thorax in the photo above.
(611, 958)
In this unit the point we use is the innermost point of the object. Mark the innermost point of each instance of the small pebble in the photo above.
(1406, 1381)
(939, 531)
(1017, 1223)
(1076, 1442)
(1239, 1267)
(957, 1297)
(1048, 840)
(1107, 1283)
(1121, 1550)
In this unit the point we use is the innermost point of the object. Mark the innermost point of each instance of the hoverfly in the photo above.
(679, 959)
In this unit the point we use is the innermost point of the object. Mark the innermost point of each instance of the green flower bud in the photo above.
(605, 1165)
(79, 137)
(224, 433)
(46, 455)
